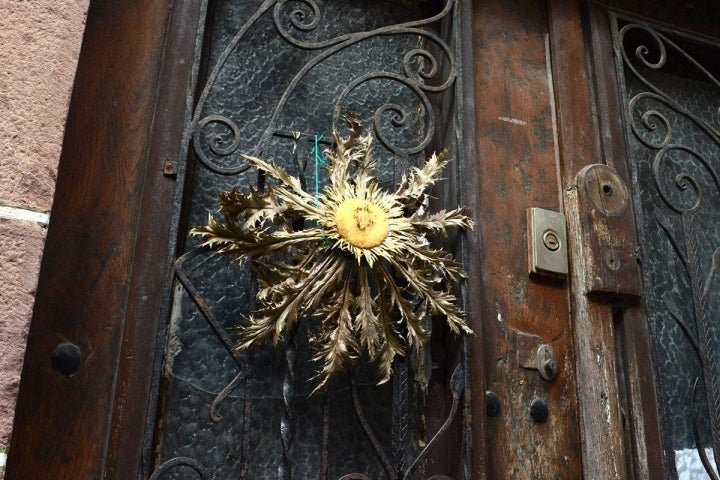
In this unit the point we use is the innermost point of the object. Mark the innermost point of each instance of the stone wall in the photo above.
(39, 47)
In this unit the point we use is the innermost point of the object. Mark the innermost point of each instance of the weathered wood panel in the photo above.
(633, 345)
(518, 170)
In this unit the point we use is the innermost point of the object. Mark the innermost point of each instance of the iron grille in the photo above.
(278, 75)
(671, 108)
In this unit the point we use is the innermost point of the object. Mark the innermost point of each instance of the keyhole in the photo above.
(551, 240)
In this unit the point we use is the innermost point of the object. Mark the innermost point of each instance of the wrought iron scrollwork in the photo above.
(200, 470)
(217, 140)
(457, 387)
(684, 182)
(676, 135)
(420, 70)
(397, 469)
(654, 56)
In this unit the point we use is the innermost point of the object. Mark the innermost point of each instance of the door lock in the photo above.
(547, 243)
(551, 240)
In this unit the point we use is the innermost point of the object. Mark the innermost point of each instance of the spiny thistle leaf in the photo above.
(440, 221)
(415, 185)
(392, 346)
(367, 323)
(360, 267)
(255, 207)
(338, 345)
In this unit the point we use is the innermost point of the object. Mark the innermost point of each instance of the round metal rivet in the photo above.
(539, 410)
(66, 358)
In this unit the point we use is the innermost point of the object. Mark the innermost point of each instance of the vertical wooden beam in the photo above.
(85, 276)
(476, 417)
(633, 339)
(604, 453)
(517, 170)
(141, 360)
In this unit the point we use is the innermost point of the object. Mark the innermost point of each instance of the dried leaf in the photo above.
(367, 323)
(414, 186)
(439, 222)
(338, 345)
(416, 333)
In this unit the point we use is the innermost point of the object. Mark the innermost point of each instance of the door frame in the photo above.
(105, 268)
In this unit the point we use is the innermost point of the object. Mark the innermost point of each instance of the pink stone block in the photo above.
(21, 246)
(39, 47)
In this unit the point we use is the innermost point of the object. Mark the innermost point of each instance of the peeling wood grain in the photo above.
(643, 433)
(606, 222)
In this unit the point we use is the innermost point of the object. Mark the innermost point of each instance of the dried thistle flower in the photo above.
(360, 253)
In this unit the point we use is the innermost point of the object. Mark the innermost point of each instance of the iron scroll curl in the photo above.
(217, 138)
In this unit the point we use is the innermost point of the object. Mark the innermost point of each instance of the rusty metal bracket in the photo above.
(605, 220)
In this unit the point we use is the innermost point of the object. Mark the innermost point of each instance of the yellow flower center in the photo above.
(361, 223)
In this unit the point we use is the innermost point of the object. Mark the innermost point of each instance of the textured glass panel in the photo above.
(279, 75)
(674, 151)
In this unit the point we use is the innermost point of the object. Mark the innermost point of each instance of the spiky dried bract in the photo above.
(361, 278)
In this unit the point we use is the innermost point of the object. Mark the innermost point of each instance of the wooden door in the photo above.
(394, 68)
(663, 80)
(635, 130)
(558, 379)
